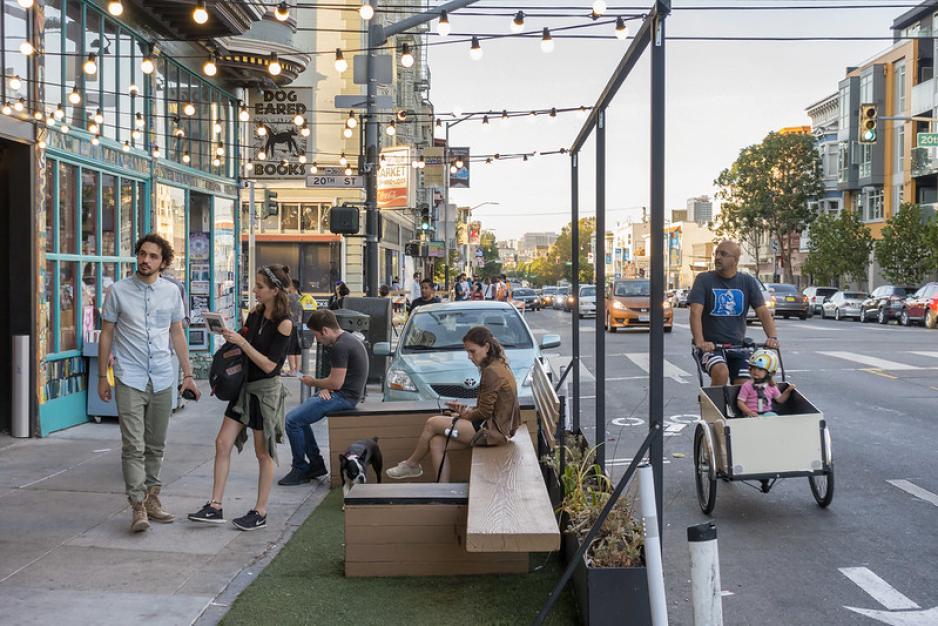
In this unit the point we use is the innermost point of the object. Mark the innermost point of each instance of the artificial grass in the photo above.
(305, 584)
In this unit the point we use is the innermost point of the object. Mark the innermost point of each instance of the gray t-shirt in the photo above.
(349, 353)
(725, 302)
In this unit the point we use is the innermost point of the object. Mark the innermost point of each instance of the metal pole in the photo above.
(654, 569)
(705, 575)
(656, 342)
(446, 212)
(600, 286)
(375, 39)
(575, 260)
(252, 256)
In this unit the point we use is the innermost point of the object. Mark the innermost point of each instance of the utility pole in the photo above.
(378, 35)
(252, 254)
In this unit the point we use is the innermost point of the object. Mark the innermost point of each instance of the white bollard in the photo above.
(705, 575)
(653, 565)
(20, 404)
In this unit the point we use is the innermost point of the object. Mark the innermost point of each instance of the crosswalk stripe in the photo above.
(812, 327)
(915, 490)
(870, 361)
(881, 591)
(670, 370)
(931, 354)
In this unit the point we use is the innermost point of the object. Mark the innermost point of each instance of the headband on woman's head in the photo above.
(269, 273)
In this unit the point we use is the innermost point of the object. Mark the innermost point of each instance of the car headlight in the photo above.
(398, 379)
(619, 306)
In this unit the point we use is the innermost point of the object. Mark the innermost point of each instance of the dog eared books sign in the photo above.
(273, 111)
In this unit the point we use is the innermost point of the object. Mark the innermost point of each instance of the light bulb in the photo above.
(301, 158)
(313, 168)
(350, 121)
(443, 27)
(485, 121)
(64, 128)
(15, 82)
(248, 167)
(459, 162)
(95, 141)
(42, 144)
(199, 14)
(75, 96)
(505, 118)
(475, 49)
(547, 42)
(273, 65)
(93, 128)
(209, 68)
(243, 114)
(517, 24)
(402, 115)
(343, 161)
(599, 7)
(6, 109)
(282, 12)
(27, 49)
(261, 130)
(115, 7)
(216, 162)
(185, 157)
(553, 115)
(340, 63)
(156, 152)
(305, 131)
(298, 120)
(126, 146)
(407, 58)
(189, 109)
(452, 169)
(216, 128)
(421, 163)
(391, 129)
(261, 156)
(99, 116)
(348, 171)
(220, 149)
(136, 135)
(582, 112)
(139, 121)
(132, 90)
(347, 132)
(90, 66)
(622, 31)
(59, 113)
(25, 4)
(37, 116)
(366, 11)
(457, 111)
(414, 164)
(147, 66)
(180, 133)
(19, 105)
(50, 121)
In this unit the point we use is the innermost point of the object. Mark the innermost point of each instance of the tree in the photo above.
(560, 252)
(768, 187)
(493, 266)
(906, 253)
(839, 248)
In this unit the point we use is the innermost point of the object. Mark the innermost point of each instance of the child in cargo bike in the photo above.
(756, 396)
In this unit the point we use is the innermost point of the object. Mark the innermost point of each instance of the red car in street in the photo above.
(922, 306)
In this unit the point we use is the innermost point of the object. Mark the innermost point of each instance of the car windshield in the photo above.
(524, 292)
(633, 288)
(431, 331)
(549, 291)
(588, 292)
(897, 291)
(562, 291)
(783, 288)
(827, 293)
(854, 295)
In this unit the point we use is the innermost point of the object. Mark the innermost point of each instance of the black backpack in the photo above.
(228, 372)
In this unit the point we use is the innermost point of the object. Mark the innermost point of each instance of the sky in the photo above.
(721, 97)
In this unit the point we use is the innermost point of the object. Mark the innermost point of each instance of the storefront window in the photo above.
(127, 217)
(89, 212)
(48, 289)
(15, 32)
(291, 217)
(225, 259)
(74, 38)
(50, 213)
(53, 62)
(108, 215)
(68, 206)
(110, 86)
(170, 222)
(309, 221)
(90, 313)
(68, 307)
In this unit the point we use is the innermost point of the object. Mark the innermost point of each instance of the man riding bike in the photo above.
(718, 304)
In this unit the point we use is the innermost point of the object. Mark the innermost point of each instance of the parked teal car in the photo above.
(430, 362)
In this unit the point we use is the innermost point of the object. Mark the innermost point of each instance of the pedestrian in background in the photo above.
(427, 295)
(415, 287)
(337, 299)
(142, 314)
(295, 349)
(476, 293)
(488, 291)
(383, 291)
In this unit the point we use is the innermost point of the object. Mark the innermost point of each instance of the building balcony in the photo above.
(224, 18)
(244, 58)
(924, 161)
(923, 97)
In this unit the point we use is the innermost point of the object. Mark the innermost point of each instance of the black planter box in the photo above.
(617, 596)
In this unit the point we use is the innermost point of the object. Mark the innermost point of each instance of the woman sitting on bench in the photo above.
(492, 422)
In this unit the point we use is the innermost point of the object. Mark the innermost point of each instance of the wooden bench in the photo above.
(546, 402)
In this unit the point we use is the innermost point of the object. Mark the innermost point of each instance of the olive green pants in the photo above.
(144, 419)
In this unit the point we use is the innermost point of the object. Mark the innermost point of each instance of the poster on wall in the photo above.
(394, 179)
(197, 304)
(459, 179)
(199, 273)
(199, 247)
(282, 141)
(475, 233)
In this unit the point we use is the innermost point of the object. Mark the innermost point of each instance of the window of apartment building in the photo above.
(897, 197)
(845, 107)
(899, 86)
(292, 218)
(899, 148)
(871, 205)
(830, 160)
(866, 160)
(843, 161)
(866, 88)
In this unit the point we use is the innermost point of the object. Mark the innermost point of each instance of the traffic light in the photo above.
(270, 203)
(424, 217)
(868, 123)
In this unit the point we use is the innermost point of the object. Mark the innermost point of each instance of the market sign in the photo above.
(395, 186)
(274, 110)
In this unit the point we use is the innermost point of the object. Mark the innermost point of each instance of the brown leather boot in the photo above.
(154, 507)
(139, 521)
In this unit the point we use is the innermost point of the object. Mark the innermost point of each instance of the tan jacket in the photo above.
(497, 405)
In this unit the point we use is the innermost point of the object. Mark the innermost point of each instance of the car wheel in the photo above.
(823, 313)
(904, 318)
(667, 329)
(863, 319)
(837, 314)
(931, 319)
(609, 326)
(804, 315)
(881, 316)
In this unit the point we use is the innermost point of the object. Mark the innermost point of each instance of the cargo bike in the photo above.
(759, 451)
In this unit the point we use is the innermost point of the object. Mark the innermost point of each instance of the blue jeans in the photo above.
(299, 428)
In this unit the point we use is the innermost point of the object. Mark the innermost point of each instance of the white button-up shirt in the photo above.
(142, 315)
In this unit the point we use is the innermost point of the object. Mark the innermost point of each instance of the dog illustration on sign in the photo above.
(285, 137)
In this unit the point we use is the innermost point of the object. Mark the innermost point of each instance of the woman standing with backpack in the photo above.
(260, 405)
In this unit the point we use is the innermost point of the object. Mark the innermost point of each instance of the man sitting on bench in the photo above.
(492, 422)
(341, 390)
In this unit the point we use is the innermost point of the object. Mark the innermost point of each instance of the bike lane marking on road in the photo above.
(878, 589)
(670, 370)
(915, 490)
(930, 354)
(871, 361)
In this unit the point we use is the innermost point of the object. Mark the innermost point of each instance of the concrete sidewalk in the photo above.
(67, 555)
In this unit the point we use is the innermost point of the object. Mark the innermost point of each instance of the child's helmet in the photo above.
(764, 359)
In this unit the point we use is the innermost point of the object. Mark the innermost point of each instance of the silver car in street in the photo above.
(843, 304)
(430, 363)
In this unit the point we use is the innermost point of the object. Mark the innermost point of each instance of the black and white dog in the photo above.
(355, 461)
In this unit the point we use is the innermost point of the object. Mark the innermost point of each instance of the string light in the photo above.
(94, 140)
(147, 65)
(582, 112)
(156, 152)
(273, 65)
(64, 129)
(348, 171)
(343, 160)
(459, 162)
(42, 144)
(401, 115)
(553, 115)
(136, 135)
(15, 82)
(90, 66)
(366, 11)
(6, 109)
(93, 128)
(261, 130)
(485, 121)
(505, 118)
(243, 114)
(189, 109)
(27, 49)
(75, 96)
(126, 146)
(25, 4)
(248, 167)
(453, 169)
(350, 121)
(313, 168)
(59, 113)
(220, 149)
(99, 116)
(216, 162)
(305, 130)
(180, 133)
(622, 31)
(299, 120)
(282, 12)
(19, 105)
(115, 7)
(347, 132)
(139, 121)
(261, 156)
(132, 90)
(407, 58)
(216, 128)
(517, 24)
(340, 63)
(547, 42)
(391, 129)
(209, 68)
(186, 158)
(475, 49)
(301, 158)
(443, 27)
(599, 7)
(200, 14)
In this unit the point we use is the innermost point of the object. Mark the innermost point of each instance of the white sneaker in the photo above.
(403, 470)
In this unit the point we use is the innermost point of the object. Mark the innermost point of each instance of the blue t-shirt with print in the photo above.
(725, 302)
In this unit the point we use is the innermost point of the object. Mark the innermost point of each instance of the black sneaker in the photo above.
(252, 521)
(208, 515)
(318, 470)
(295, 477)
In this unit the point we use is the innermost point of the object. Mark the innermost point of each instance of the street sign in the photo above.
(384, 69)
(927, 140)
(361, 102)
(328, 181)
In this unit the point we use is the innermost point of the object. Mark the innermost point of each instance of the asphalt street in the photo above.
(784, 560)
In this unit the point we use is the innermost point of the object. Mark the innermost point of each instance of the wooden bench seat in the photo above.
(415, 529)
(509, 508)
(546, 402)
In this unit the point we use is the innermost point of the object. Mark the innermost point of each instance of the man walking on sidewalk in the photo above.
(143, 312)
(342, 389)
